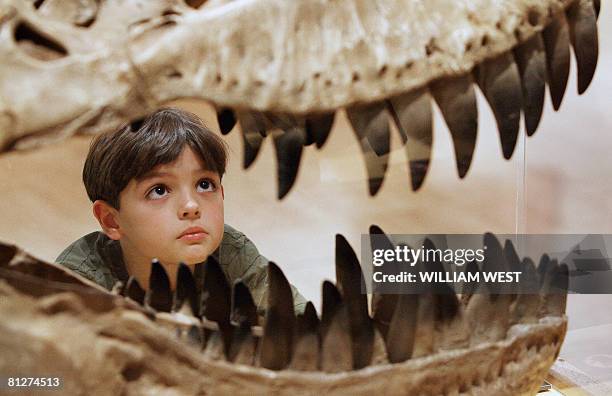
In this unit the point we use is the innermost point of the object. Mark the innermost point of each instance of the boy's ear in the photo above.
(107, 217)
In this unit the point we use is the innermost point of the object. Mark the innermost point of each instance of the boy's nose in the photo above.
(190, 210)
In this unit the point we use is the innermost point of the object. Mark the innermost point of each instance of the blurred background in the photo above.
(558, 181)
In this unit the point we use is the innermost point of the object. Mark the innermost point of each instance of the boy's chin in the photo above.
(194, 258)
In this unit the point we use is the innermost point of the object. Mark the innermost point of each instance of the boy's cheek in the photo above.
(216, 224)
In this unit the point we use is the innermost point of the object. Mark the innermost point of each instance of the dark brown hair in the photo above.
(130, 152)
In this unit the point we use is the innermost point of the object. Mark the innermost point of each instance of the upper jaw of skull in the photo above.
(98, 65)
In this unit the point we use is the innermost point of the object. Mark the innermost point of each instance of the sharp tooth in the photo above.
(277, 341)
(469, 288)
(336, 355)
(402, 329)
(583, 34)
(134, 291)
(350, 280)
(383, 305)
(512, 258)
(495, 259)
(556, 44)
(243, 348)
(216, 294)
(159, 295)
(531, 61)
(244, 310)
(457, 101)
(288, 147)
(383, 241)
(513, 263)
(186, 298)
(215, 306)
(543, 267)
(488, 313)
(487, 317)
(527, 304)
(499, 80)
(254, 129)
(558, 301)
(306, 353)
(424, 332)
(371, 127)
(425, 317)
(226, 120)
(450, 326)
(318, 127)
(332, 299)
(553, 296)
(547, 271)
(412, 115)
(370, 122)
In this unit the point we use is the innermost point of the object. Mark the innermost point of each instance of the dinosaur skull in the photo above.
(288, 66)
(429, 343)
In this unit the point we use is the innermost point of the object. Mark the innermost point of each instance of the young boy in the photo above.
(157, 193)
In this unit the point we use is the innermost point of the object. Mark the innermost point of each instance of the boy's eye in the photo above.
(157, 192)
(206, 185)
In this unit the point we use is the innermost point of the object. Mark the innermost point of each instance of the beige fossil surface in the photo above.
(425, 344)
(97, 64)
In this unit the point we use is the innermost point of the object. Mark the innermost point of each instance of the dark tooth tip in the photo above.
(7, 252)
(418, 171)
(530, 58)
(226, 120)
(463, 166)
(456, 99)
(371, 126)
(244, 310)
(216, 295)
(288, 148)
(508, 151)
(253, 128)
(277, 341)
(374, 229)
(186, 290)
(318, 127)
(134, 291)
(136, 124)
(374, 185)
(582, 20)
(556, 43)
(159, 296)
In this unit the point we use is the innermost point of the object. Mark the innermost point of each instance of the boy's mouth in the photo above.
(193, 234)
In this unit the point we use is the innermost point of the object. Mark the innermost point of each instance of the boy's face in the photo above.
(174, 213)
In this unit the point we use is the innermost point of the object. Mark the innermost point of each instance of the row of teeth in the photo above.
(224, 322)
(511, 82)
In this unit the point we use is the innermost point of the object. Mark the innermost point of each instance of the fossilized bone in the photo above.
(288, 66)
(194, 342)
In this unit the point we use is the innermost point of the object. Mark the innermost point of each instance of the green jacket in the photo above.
(99, 258)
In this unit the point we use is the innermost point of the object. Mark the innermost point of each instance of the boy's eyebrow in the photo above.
(154, 174)
(204, 169)
(151, 175)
